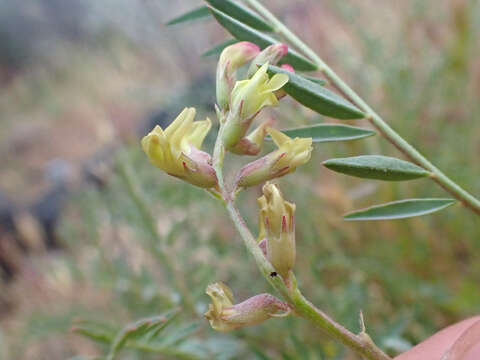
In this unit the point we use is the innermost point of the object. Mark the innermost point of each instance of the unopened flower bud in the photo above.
(231, 58)
(251, 144)
(277, 220)
(271, 54)
(288, 67)
(248, 98)
(223, 315)
(280, 94)
(176, 150)
(290, 154)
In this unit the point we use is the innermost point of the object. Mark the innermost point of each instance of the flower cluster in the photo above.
(177, 151)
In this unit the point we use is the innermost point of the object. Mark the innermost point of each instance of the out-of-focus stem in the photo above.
(391, 135)
(157, 246)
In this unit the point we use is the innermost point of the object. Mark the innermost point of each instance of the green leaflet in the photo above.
(400, 209)
(376, 167)
(241, 13)
(315, 80)
(317, 98)
(244, 32)
(329, 132)
(192, 15)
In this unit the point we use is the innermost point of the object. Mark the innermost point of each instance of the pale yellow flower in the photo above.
(277, 226)
(247, 99)
(176, 150)
(290, 154)
(231, 58)
(250, 96)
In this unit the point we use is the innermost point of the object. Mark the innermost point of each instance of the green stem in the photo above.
(249, 240)
(361, 343)
(156, 246)
(391, 135)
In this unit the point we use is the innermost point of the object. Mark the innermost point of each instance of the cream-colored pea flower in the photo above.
(247, 99)
(290, 154)
(277, 226)
(176, 150)
(251, 95)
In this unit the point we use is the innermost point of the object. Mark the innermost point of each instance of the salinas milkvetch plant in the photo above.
(274, 70)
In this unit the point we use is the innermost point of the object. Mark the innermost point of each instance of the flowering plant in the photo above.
(176, 150)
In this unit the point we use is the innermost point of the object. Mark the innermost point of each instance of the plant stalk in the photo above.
(361, 343)
(376, 120)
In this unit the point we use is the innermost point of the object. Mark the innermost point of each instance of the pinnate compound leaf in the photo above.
(329, 132)
(181, 334)
(216, 50)
(244, 32)
(143, 328)
(376, 167)
(94, 330)
(400, 209)
(192, 15)
(316, 97)
(241, 13)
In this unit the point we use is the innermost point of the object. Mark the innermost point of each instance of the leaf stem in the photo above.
(376, 120)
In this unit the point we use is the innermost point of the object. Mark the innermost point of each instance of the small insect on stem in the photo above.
(273, 274)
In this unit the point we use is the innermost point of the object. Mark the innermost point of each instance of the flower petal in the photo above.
(182, 129)
(278, 137)
(200, 130)
(176, 123)
(277, 81)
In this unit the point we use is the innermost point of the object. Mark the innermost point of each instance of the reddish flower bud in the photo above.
(290, 154)
(288, 67)
(280, 94)
(252, 144)
(223, 315)
(231, 58)
(271, 54)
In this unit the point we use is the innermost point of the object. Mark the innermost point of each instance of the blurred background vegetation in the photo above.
(89, 230)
